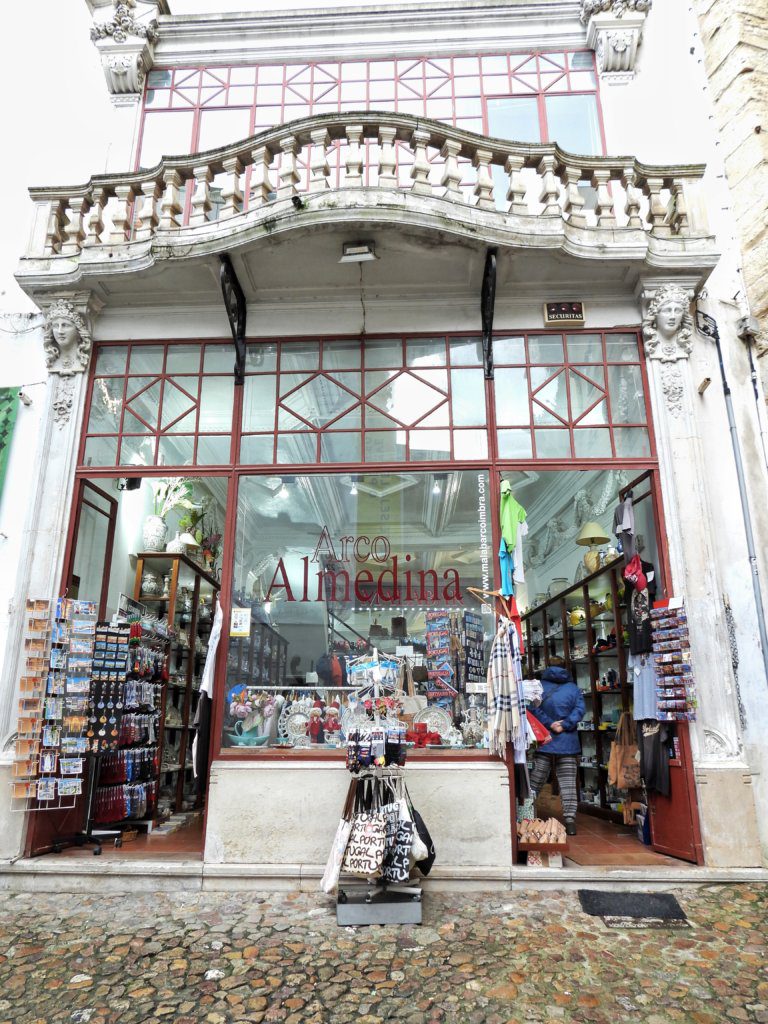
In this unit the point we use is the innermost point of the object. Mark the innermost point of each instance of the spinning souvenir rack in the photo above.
(376, 752)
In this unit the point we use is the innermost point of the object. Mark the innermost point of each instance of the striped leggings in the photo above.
(566, 769)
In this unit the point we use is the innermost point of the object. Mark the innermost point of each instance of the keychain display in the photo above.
(675, 685)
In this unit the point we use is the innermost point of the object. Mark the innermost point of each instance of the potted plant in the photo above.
(210, 543)
(174, 492)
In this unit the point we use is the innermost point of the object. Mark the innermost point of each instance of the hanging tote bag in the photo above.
(623, 763)
(367, 840)
(412, 704)
(330, 877)
(540, 732)
(424, 864)
(397, 866)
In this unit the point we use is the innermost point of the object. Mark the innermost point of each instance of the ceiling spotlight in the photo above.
(353, 489)
(357, 252)
(436, 487)
(283, 492)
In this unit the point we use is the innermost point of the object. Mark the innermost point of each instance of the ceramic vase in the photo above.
(151, 585)
(154, 533)
(175, 546)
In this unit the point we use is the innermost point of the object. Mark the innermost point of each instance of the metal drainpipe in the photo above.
(708, 327)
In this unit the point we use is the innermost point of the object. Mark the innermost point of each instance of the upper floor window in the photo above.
(526, 97)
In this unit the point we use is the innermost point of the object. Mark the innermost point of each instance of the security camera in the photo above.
(24, 398)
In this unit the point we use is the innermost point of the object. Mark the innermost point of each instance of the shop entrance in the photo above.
(346, 498)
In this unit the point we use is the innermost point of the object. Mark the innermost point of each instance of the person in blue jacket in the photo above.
(561, 709)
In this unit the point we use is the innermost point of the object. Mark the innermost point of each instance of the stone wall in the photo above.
(735, 38)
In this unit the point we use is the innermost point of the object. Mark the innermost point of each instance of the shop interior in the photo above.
(331, 567)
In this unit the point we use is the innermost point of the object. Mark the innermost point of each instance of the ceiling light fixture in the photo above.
(283, 492)
(436, 487)
(357, 252)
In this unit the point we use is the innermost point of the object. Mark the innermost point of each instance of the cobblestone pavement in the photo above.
(477, 959)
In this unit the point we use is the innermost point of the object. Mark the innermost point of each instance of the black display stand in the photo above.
(89, 835)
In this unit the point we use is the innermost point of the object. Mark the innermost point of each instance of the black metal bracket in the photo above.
(487, 305)
(234, 302)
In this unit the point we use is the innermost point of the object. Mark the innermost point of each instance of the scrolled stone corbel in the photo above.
(614, 32)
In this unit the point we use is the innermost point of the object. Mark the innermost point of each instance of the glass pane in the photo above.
(584, 348)
(515, 444)
(256, 449)
(260, 355)
(387, 352)
(468, 398)
(112, 359)
(166, 134)
(341, 355)
(430, 444)
(554, 396)
(627, 398)
(584, 394)
(509, 350)
(385, 446)
(300, 355)
(407, 398)
(219, 359)
(145, 403)
(175, 451)
(259, 402)
(546, 348)
(466, 351)
(438, 418)
(321, 399)
(573, 124)
(340, 447)
(213, 451)
(100, 451)
(296, 448)
(183, 359)
(470, 444)
(374, 418)
(632, 441)
(178, 404)
(106, 405)
(594, 373)
(437, 378)
(553, 444)
(514, 118)
(621, 348)
(591, 443)
(511, 391)
(147, 358)
(287, 421)
(426, 352)
(220, 127)
(217, 396)
(137, 451)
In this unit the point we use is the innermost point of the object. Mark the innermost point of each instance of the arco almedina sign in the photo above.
(341, 576)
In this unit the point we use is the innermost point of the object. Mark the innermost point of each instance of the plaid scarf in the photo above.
(505, 724)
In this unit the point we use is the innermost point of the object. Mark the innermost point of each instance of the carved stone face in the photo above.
(669, 318)
(66, 336)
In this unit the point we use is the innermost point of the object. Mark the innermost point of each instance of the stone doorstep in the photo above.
(129, 875)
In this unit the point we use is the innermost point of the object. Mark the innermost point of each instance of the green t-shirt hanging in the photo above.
(511, 514)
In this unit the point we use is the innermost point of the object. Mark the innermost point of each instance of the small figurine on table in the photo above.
(332, 725)
(316, 732)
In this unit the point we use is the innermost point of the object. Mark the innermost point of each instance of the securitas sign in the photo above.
(335, 573)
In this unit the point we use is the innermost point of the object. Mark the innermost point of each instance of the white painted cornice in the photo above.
(445, 27)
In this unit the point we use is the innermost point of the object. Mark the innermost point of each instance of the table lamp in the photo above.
(590, 535)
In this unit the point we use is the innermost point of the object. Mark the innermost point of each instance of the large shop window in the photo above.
(327, 567)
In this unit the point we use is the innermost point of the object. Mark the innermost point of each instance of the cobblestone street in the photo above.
(477, 959)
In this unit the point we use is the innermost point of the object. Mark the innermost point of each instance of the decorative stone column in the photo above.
(126, 45)
(614, 32)
(67, 343)
(723, 779)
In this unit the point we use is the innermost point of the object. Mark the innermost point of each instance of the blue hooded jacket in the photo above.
(562, 702)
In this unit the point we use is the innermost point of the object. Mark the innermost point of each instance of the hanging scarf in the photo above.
(504, 722)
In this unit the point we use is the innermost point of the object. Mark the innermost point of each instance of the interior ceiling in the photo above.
(304, 265)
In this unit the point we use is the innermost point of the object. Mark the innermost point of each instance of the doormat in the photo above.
(633, 909)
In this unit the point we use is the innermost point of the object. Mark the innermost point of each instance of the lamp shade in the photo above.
(592, 533)
(188, 540)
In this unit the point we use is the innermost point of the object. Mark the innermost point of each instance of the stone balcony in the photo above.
(366, 173)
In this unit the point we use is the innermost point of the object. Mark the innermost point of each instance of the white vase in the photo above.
(150, 584)
(175, 546)
(154, 533)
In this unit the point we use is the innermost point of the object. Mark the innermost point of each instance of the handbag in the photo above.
(330, 878)
(424, 864)
(623, 763)
(540, 732)
(367, 839)
(397, 867)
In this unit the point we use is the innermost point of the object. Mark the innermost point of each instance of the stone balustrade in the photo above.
(530, 186)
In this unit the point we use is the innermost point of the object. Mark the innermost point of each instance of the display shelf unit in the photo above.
(569, 624)
(258, 659)
(189, 584)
